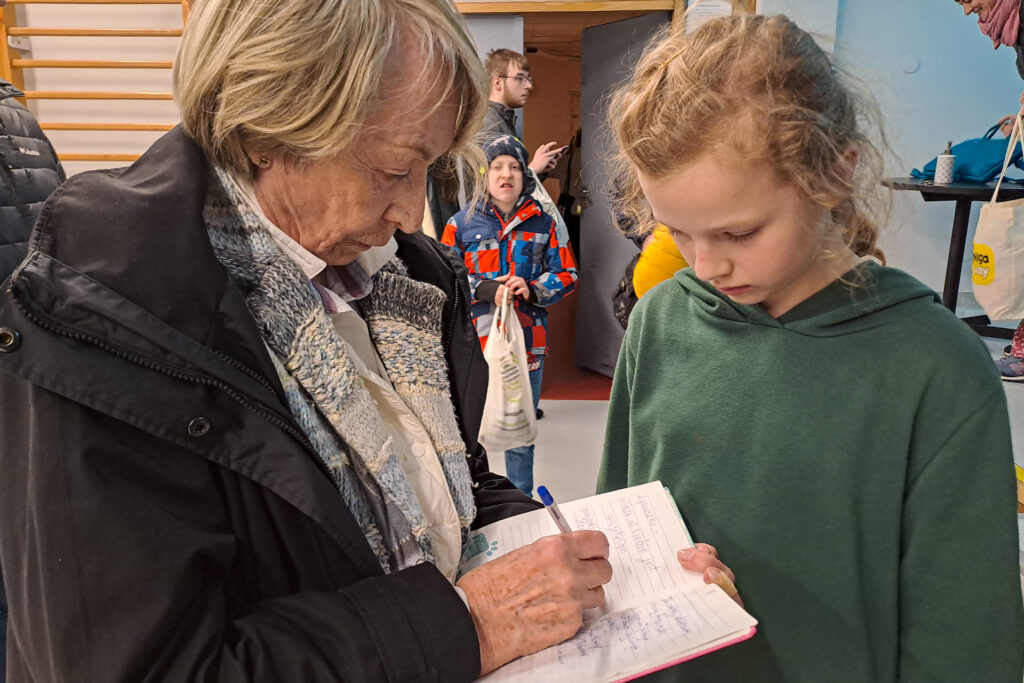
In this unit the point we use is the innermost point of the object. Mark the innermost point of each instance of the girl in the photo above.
(862, 493)
(507, 240)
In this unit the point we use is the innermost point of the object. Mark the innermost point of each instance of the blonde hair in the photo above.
(754, 88)
(300, 77)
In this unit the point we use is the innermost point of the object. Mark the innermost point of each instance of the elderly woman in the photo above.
(240, 393)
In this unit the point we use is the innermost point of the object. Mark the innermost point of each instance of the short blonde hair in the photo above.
(751, 87)
(299, 77)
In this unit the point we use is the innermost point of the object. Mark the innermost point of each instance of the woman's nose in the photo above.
(406, 207)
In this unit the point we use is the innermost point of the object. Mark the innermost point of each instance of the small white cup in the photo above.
(944, 169)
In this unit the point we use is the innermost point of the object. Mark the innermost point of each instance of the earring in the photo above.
(262, 162)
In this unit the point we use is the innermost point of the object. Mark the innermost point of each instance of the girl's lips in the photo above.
(733, 291)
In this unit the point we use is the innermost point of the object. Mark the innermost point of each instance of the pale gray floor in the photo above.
(568, 451)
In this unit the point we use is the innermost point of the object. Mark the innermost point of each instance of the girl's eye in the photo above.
(739, 237)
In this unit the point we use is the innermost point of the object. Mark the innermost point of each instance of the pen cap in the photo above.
(545, 497)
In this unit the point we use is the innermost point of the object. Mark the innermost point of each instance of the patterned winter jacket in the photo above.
(526, 246)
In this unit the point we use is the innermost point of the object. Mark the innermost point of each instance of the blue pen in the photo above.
(552, 507)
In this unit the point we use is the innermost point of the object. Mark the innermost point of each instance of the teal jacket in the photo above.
(851, 461)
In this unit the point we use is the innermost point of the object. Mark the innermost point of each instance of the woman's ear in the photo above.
(260, 158)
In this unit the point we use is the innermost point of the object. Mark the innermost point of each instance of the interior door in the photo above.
(608, 53)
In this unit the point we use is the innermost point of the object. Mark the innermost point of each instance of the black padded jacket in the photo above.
(29, 172)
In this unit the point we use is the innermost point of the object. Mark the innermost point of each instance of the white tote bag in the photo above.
(508, 420)
(997, 272)
(540, 194)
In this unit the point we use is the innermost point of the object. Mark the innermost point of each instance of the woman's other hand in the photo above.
(515, 284)
(534, 596)
(1006, 124)
(703, 559)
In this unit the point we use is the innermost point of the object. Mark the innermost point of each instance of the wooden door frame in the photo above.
(504, 7)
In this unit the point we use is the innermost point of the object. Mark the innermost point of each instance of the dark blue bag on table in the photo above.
(978, 160)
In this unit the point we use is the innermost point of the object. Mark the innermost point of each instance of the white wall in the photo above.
(816, 16)
(493, 31)
(120, 16)
(936, 78)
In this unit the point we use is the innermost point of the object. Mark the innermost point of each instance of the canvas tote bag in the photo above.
(508, 420)
(997, 271)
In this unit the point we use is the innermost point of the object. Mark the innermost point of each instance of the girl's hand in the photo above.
(516, 285)
(703, 559)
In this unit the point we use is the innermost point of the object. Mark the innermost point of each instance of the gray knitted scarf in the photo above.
(325, 393)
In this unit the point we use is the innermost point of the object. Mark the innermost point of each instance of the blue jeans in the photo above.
(519, 461)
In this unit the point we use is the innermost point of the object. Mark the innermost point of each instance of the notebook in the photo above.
(656, 614)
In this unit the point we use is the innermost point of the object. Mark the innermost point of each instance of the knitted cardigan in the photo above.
(324, 391)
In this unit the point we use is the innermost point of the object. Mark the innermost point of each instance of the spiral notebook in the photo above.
(656, 614)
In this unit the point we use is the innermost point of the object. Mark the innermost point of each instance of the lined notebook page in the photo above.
(656, 613)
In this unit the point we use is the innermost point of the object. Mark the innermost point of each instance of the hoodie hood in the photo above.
(841, 308)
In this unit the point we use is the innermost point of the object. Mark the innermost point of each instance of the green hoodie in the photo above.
(850, 460)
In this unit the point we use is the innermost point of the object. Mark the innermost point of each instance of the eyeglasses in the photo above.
(523, 79)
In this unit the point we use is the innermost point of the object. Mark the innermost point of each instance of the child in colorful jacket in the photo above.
(508, 241)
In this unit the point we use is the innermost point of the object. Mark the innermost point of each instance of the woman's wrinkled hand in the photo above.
(534, 596)
(703, 559)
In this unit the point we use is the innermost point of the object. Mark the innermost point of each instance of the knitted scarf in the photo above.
(325, 394)
(1003, 24)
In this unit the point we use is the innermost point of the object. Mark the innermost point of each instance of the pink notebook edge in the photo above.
(693, 655)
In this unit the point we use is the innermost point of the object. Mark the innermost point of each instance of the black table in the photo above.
(963, 194)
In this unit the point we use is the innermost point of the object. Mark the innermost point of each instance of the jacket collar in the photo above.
(508, 115)
(527, 209)
(164, 263)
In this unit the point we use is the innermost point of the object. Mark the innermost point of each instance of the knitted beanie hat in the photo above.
(508, 145)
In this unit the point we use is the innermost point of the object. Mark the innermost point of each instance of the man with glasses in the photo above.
(510, 87)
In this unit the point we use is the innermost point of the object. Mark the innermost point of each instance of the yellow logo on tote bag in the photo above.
(983, 270)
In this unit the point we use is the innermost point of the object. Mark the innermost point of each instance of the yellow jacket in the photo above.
(659, 261)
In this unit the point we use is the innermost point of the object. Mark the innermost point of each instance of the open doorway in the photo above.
(553, 44)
